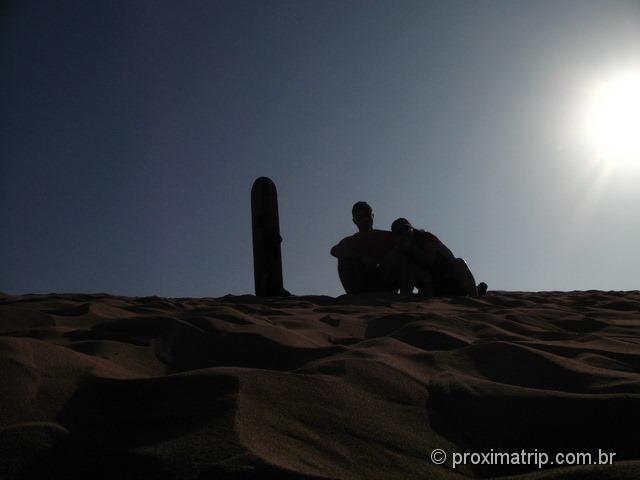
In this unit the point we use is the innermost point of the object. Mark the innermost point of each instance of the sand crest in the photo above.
(316, 387)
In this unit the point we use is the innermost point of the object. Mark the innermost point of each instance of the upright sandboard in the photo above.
(267, 258)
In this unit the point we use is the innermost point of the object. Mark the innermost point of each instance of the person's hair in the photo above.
(399, 223)
(360, 206)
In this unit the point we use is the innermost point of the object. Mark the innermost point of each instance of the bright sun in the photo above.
(612, 120)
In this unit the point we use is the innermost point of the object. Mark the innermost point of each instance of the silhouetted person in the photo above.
(363, 257)
(426, 263)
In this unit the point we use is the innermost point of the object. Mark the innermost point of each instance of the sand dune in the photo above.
(316, 387)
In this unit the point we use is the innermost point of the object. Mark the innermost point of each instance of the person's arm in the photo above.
(344, 249)
(424, 256)
(435, 247)
(413, 245)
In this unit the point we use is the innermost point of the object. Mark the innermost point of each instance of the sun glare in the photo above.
(612, 120)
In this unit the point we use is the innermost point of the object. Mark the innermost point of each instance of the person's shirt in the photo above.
(373, 243)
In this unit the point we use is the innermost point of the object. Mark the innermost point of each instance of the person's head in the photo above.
(362, 216)
(401, 227)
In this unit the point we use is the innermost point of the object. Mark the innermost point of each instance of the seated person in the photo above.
(364, 256)
(426, 263)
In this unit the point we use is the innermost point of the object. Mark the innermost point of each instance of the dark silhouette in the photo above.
(406, 258)
(426, 263)
(267, 259)
(364, 259)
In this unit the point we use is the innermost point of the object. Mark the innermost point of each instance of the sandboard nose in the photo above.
(263, 182)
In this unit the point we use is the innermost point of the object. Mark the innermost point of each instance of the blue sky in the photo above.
(133, 131)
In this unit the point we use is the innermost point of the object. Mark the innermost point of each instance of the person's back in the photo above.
(441, 258)
(447, 274)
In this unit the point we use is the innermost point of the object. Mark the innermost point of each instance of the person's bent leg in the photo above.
(392, 270)
(352, 275)
(397, 273)
(464, 276)
(402, 274)
(423, 281)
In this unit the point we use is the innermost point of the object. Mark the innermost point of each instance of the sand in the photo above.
(361, 387)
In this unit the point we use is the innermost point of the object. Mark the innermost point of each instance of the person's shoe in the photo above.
(482, 289)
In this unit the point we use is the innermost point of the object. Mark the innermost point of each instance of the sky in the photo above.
(132, 132)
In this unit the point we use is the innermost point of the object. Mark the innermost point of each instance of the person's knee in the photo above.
(347, 263)
(465, 277)
(460, 263)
